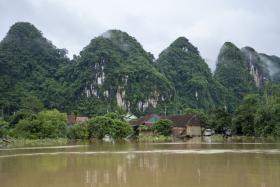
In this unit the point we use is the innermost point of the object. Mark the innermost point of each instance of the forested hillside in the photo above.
(114, 72)
(191, 77)
(30, 65)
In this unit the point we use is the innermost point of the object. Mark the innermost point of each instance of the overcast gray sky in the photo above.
(71, 24)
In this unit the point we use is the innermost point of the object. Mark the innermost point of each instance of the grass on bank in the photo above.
(35, 142)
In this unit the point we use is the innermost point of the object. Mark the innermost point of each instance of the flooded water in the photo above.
(143, 165)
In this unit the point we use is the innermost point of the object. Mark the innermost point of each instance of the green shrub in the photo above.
(121, 129)
(4, 126)
(101, 126)
(78, 131)
(145, 128)
(47, 124)
(163, 127)
(113, 116)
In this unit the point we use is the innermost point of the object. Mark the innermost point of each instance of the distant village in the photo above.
(182, 125)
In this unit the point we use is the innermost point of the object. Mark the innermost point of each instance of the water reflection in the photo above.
(135, 165)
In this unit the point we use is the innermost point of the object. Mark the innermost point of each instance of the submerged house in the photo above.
(147, 120)
(183, 125)
(72, 119)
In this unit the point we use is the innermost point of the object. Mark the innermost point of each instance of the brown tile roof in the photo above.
(183, 120)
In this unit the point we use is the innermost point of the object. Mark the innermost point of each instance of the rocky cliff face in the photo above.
(233, 72)
(115, 68)
(114, 71)
(256, 67)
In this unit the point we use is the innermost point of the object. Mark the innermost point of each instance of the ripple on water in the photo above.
(188, 151)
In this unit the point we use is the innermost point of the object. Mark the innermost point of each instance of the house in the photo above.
(147, 120)
(81, 119)
(72, 119)
(183, 125)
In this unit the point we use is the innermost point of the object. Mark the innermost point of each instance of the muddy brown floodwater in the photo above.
(143, 165)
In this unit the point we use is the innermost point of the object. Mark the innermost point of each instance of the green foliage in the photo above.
(145, 128)
(243, 121)
(219, 120)
(4, 126)
(102, 125)
(31, 104)
(38, 142)
(30, 69)
(232, 73)
(116, 63)
(163, 127)
(267, 118)
(47, 124)
(121, 129)
(197, 112)
(22, 114)
(114, 116)
(78, 131)
(259, 115)
(191, 77)
(34, 75)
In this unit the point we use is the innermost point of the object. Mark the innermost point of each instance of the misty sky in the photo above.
(71, 24)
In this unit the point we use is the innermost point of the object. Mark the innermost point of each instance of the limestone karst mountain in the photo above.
(114, 68)
(114, 72)
(190, 75)
(29, 65)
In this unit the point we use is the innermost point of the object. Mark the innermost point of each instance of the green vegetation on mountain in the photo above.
(114, 73)
(232, 72)
(191, 77)
(114, 70)
(29, 66)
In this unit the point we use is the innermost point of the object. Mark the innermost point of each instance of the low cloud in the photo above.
(155, 24)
